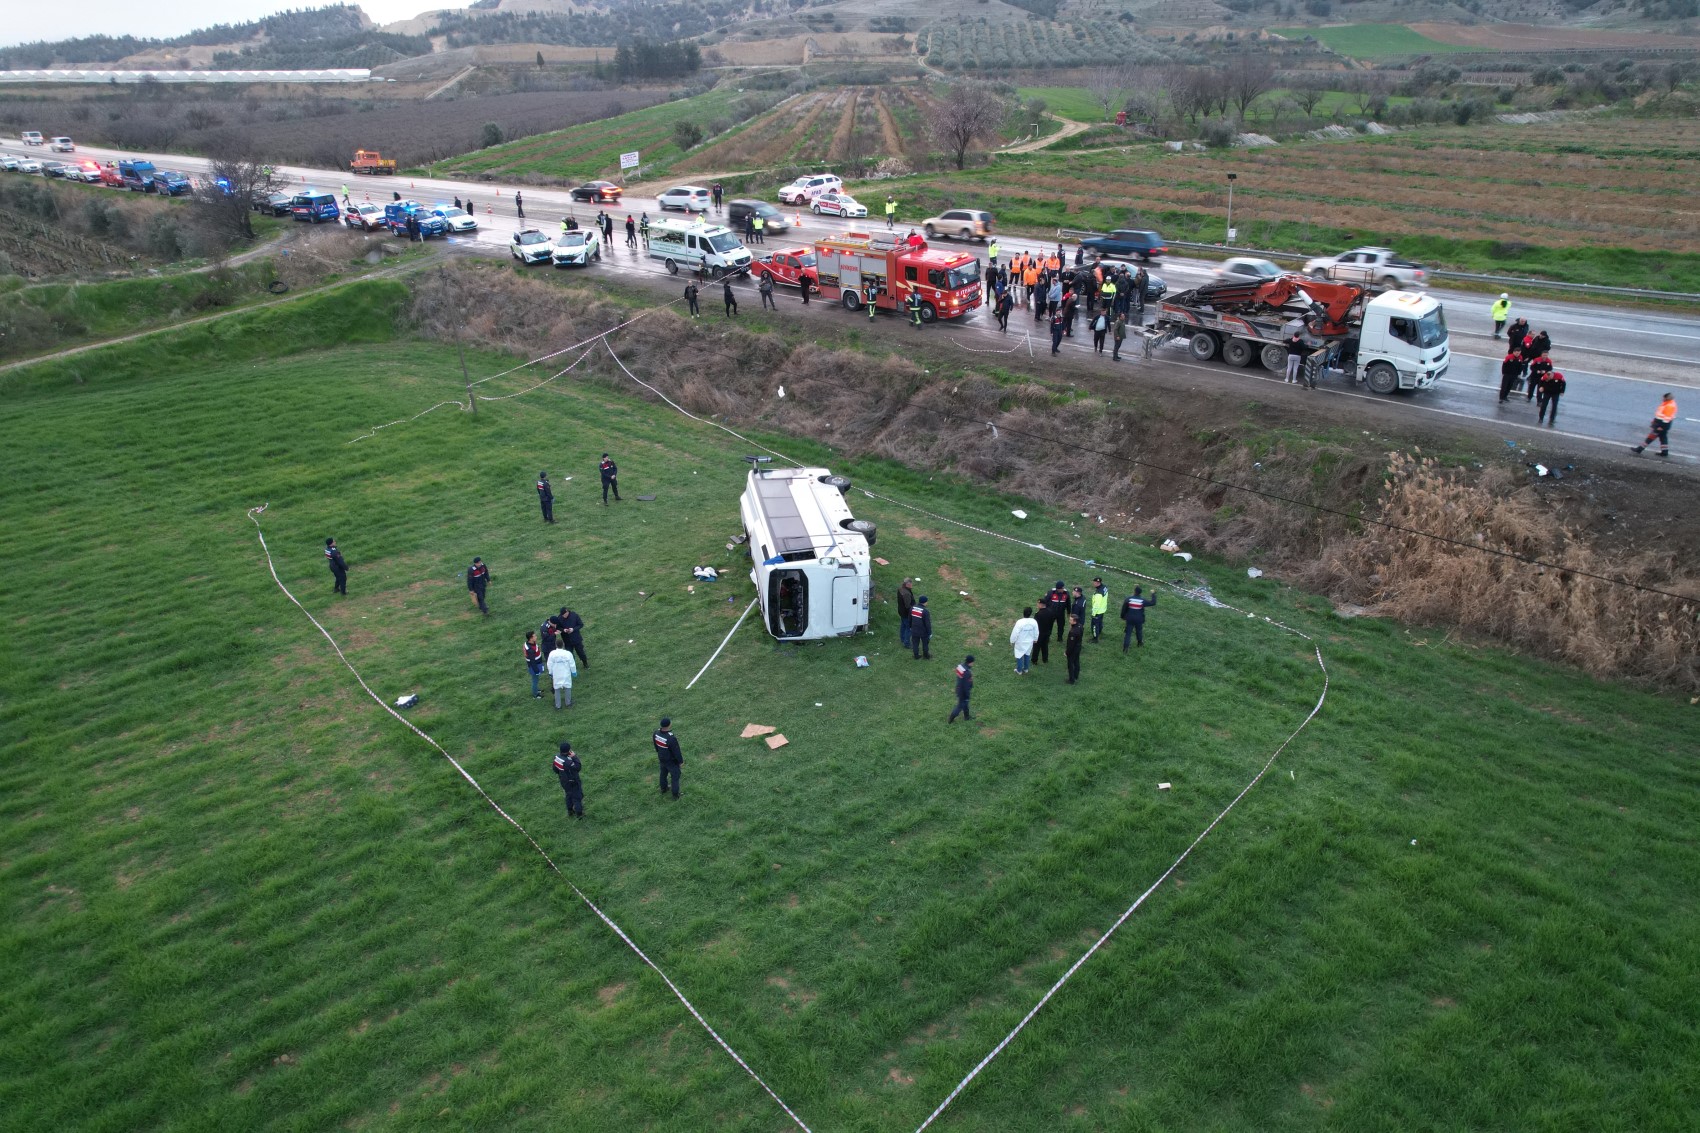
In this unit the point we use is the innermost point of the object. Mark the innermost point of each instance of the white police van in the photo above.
(710, 248)
(812, 570)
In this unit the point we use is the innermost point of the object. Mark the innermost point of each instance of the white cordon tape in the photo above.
(254, 514)
(723, 642)
(1186, 853)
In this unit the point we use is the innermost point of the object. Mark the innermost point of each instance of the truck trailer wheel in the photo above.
(1275, 358)
(842, 483)
(852, 301)
(672, 267)
(1238, 352)
(1203, 346)
(1381, 377)
(862, 527)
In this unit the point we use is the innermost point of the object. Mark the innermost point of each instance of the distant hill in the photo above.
(338, 28)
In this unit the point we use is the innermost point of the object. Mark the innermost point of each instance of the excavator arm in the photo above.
(1328, 306)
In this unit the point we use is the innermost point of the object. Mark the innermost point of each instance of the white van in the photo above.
(32, 137)
(62, 145)
(812, 570)
(695, 245)
(805, 189)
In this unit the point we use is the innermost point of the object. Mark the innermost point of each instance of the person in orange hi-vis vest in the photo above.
(1660, 431)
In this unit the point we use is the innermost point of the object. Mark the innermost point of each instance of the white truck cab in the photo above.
(811, 567)
(1403, 342)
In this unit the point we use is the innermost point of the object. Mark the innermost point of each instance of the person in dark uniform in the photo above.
(477, 582)
(1510, 369)
(921, 630)
(567, 770)
(1133, 616)
(1057, 599)
(1546, 397)
(534, 662)
(1071, 649)
(571, 628)
(905, 604)
(803, 284)
(731, 299)
(691, 299)
(1046, 617)
(964, 687)
(1077, 605)
(915, 309)
(546, 637)
(546, 497)
(610, 478)
(339, 569)
(667, 751)
(519, 205)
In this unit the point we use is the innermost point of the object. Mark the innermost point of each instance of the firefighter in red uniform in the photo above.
(1057, 600)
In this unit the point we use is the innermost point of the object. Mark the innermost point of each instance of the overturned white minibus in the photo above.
(812, 570)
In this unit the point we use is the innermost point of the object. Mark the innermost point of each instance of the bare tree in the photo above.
(1369, 93)
(1308, 95)
(234, 178)
(1186, 93)
(1248, 81)
(1144, 97)
(1108, 86)
(968, 113)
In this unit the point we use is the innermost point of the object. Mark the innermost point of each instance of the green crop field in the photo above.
(1069, 102)
(593, 150)
(239, 896)
(1366, 41)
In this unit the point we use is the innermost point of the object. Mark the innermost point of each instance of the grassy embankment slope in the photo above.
(237, 895)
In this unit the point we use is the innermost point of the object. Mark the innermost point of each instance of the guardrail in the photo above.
(1504, 281)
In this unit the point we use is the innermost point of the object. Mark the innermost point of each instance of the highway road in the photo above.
(1617, 361)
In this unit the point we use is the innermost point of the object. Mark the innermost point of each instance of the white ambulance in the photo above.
(812, 570)
(695, 245)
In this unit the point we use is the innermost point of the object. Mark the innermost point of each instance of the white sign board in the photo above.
(629, 160)
(1233, 233)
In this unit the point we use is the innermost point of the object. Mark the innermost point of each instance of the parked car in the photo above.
(786, 265)
(838, 203)
(964, 224)
(29, 165)
(1372, 267)
(274, 204)
(685, 198)
(315, 205)
(601, 191)
(1126, 244)
(1155, 287)
(772, 220)
(31, 137)
(577, 248)
(86, 171)
(53, 168)
(62, 145)
(367, 217)
(1247, 269)
(9, 162)
(529, 246)
(805, 189)
(457, 220)
(171, 183)
(398, 213)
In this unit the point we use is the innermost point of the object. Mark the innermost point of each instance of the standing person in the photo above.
(921, 630)
(567, 769)
(1045, 619)
(1500, 311)
(1108, 294)
(1296, 351)
(1509, 371)
(643, 228)
(873, 299)
(760, 225)
(1100, 328)
(1054, 294)
(1057, 328)
(519, 205)
(1136, 294)
(566, 225)
(571, 628)
(1118, 331)
(669, 754)
(1071, 306)
(1133, 617)
(610, 473)
(1662, 418)
(1517, 332)
(691, 299)
(1057, 599)
(546, 497)
(477, 582)
(1542, 343)
(339, 568)
(964, 688)
(731, 299)
(1071, 650)
(631, 231)
(345, 203)
(1079, 254)
(1539, 368)
(1100, 607)
(1022, 637)
(766, 289)
(607, 228)
(717, 195)
(458, 205)
(890, 211)
(1077, 605)
(1004, 305)
(533, 662)
(546, 638)
(1546, 397)
(992, 249)
(905, 604)
(562, 669)
(803, 287)
(414, 232)
(914, 308)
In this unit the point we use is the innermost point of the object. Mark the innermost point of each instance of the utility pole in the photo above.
(1232, 177)
(471, 401)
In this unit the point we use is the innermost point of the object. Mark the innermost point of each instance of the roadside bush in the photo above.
(686, 135)
(492, 136)
(1219, 133)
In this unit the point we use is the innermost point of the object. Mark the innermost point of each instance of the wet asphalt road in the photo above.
(1617, 361)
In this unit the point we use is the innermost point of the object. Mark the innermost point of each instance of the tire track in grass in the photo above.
(840, 145)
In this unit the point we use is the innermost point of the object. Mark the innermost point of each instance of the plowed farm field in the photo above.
(822, 126)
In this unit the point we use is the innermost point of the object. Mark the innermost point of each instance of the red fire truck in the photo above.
(852, 264)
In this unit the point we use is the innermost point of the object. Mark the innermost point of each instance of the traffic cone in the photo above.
(796, 220)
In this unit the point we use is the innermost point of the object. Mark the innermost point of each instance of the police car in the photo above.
(577, 248)
(457, 220)
(529, 246)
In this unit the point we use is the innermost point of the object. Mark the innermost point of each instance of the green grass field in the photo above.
(1367, 41)
(1069, 102)
(239, 896)
(593, 150)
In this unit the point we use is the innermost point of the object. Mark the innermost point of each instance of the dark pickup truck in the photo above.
(1126, 244)
(170, 183)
